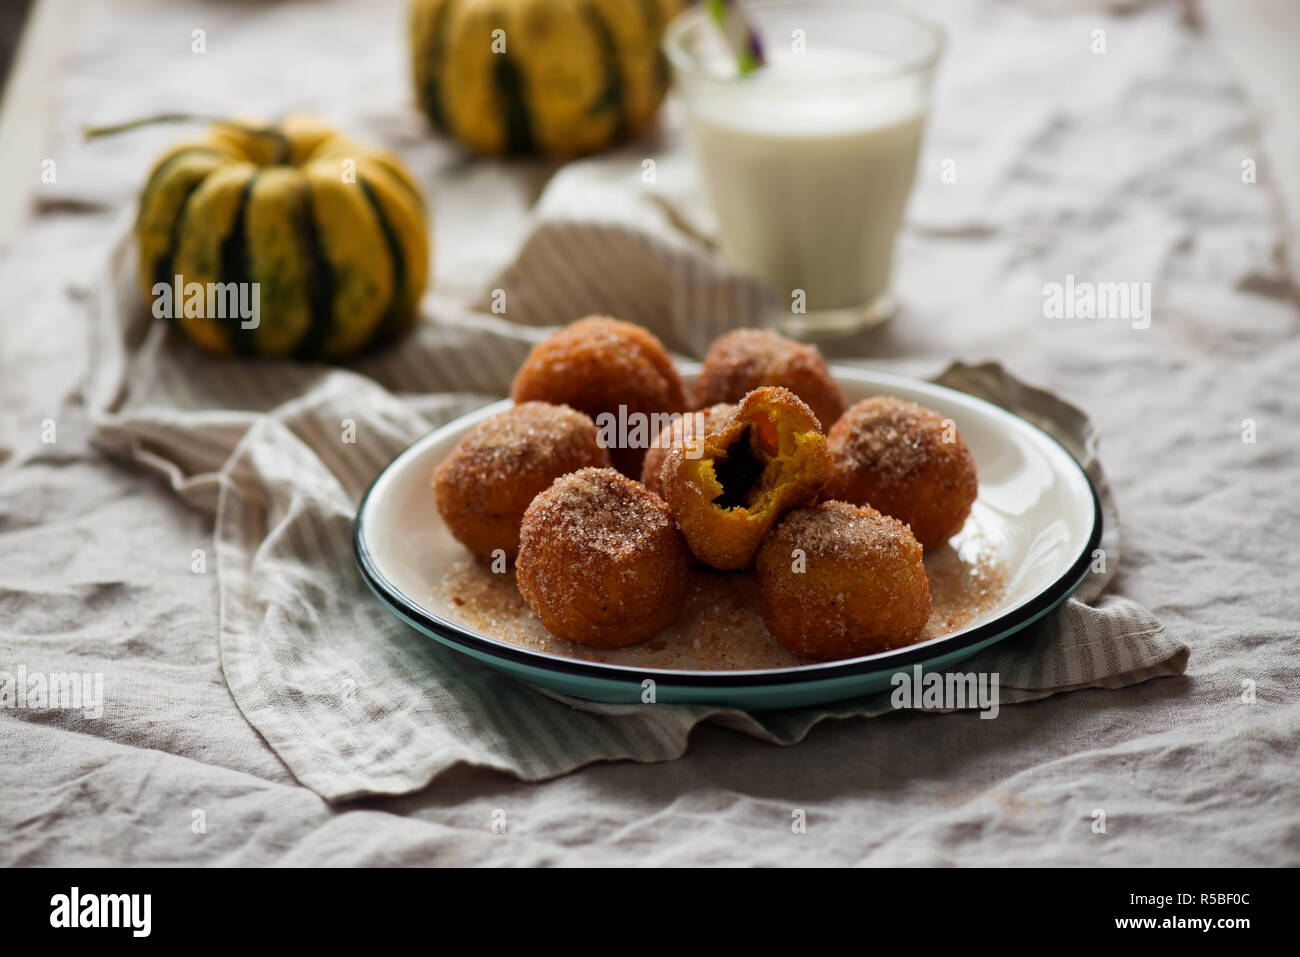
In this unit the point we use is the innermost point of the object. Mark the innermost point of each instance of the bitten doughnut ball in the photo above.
(743, 360)
(687, 425)
(601, 561)
(483, 487)
(598, 364)
(906, 461)
(837, 580)
(729, 488)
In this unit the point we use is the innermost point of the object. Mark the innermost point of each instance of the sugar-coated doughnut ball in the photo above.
(729, 488)
(601, 561)
(743, 360)
(906, 461)
(686, 426)
(837, 580)
(598, 364)
(483, 487)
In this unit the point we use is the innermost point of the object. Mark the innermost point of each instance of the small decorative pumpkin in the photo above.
(333, 233)
(552, 77)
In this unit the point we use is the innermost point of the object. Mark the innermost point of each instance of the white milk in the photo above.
(808, 164)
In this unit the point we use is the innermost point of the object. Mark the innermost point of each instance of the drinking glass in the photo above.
(809, 160)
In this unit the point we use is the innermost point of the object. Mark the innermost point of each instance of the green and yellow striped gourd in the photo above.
(333, 232)
(551, 77)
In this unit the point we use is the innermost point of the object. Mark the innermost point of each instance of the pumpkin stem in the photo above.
(283, 146)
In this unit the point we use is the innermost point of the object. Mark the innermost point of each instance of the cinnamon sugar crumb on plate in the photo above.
(721, 627)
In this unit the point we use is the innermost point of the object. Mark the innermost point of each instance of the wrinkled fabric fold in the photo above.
(356, 703)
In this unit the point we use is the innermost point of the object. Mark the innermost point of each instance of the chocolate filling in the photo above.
(737, 473)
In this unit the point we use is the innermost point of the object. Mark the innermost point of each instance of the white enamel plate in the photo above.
(1036, 509)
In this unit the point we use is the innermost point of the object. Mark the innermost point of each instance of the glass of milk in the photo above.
(808, 161)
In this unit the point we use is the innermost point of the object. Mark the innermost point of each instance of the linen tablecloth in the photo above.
(1120, 166)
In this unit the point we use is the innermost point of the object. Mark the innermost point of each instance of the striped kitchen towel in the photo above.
(356, 703)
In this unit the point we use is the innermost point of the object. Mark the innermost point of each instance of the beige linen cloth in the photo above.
(1119, 167)
(356, 703)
